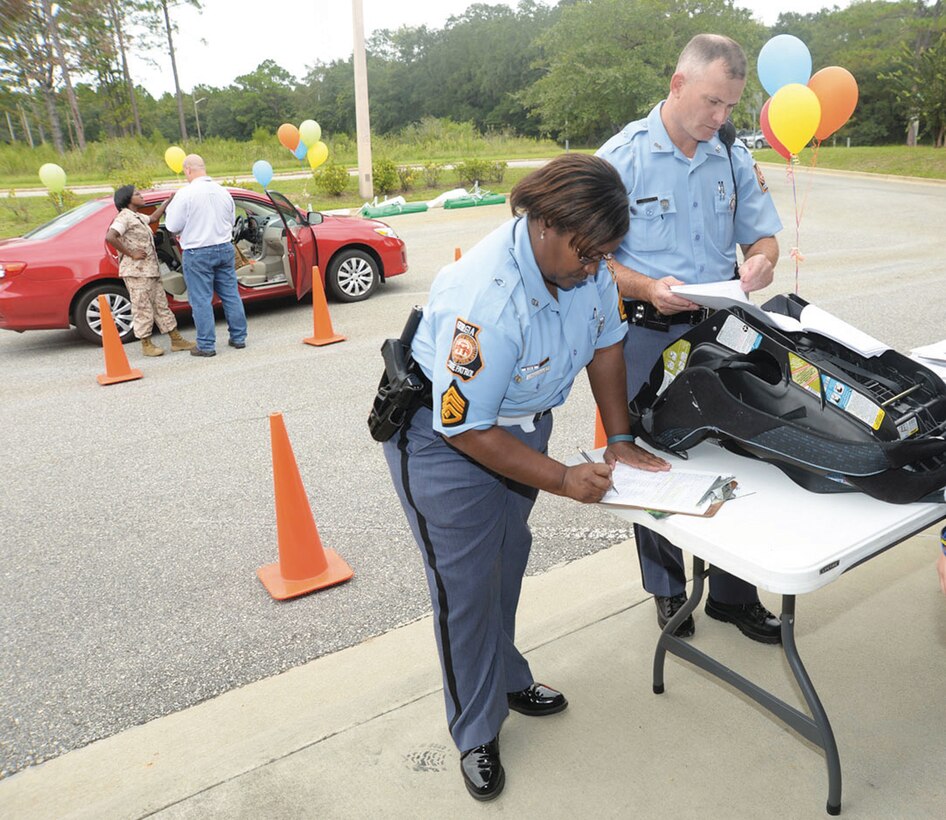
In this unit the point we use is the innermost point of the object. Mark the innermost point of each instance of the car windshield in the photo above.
(66, 220)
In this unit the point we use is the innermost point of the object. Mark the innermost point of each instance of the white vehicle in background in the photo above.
(753, 139)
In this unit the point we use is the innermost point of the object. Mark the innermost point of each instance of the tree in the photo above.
(177, 83)
(609, 61)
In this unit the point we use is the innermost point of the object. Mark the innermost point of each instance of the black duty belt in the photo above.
(644, 314)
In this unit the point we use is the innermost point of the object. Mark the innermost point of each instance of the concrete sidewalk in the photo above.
(361, 733)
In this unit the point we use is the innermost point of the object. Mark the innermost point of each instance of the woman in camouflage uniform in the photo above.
(130, 234)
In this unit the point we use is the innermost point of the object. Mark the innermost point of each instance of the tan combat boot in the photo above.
(178, 342)
(149, 348)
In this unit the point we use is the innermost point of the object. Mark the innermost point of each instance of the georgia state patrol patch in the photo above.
(758, 175)
(453, 406)
(465, 358)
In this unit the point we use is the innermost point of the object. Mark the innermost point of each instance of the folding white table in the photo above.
(785, 540)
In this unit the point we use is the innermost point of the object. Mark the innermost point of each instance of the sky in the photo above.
(295, 35)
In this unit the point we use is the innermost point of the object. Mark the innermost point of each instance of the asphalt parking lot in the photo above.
(134, 516)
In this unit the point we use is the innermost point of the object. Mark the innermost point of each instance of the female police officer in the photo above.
(506, 330)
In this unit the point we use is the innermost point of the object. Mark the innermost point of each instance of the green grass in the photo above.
(896, 160)
(20, 214)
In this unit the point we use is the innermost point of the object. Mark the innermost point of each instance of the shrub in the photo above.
(497, 171)
(141, 177)
(471, 171)
(407, 176)
(385, 176)
(432, 173)
(332, 179)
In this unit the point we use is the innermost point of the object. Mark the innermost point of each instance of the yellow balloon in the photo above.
(310, 132)
(317, 154)
(174, 157)
(794, 115)
(52, 176)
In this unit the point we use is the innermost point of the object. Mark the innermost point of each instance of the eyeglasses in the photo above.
(594, 259)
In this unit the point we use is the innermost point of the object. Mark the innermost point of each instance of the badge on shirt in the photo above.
(453, 406)
(465, 358)
(758, 175)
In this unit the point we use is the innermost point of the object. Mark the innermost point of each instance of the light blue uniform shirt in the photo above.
(202, 213)
(681, 209)
(493, 340)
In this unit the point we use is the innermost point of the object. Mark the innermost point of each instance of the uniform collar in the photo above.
(532, 282)
(660, 142)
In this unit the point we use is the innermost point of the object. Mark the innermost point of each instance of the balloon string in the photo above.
(795, 253)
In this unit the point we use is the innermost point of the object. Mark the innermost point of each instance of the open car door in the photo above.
(301, 249)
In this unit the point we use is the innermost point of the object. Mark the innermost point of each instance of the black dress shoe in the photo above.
(754, 620)
(667, 607)
(237, 345)
(483, 774)
(198, 352)
(537, 700)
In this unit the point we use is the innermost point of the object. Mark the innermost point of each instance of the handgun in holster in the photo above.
(403, 386)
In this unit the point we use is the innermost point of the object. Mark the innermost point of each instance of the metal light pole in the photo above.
(362, 125)
(197, 117)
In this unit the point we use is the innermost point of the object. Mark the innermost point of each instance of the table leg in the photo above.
(820, 718)
(814, 728)
(669, 641)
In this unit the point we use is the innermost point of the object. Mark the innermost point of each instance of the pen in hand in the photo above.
(590, 460)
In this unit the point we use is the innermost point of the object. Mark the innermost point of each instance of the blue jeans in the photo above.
(208, 270)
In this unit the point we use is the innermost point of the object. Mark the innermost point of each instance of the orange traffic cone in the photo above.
(304, 565)
(601, 438)
(456, 254)
(116, 362)
(322, 332)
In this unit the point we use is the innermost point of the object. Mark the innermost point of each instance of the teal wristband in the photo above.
(621, 437)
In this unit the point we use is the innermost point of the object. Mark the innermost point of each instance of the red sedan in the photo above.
(52, 276)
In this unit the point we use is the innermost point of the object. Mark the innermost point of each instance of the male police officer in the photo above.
(690, 201)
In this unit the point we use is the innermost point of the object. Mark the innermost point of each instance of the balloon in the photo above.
(300, 151)
(174, 157)
(52, 176)
(794, 114)
(288, 135)
(767, 131)
(836, 90)
(310, 132)
(318, 153)
(784, 59)
(262, 172)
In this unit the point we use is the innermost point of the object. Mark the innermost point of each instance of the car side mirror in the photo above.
(313, 218)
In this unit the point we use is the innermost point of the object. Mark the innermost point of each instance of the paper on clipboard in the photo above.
(678, 491)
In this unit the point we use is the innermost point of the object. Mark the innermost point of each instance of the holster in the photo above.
(403, 387)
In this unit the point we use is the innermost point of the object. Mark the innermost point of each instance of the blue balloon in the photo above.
(301, 150)
(263, 172)
(784, 59)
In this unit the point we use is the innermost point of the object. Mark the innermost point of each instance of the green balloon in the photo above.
(53, 177)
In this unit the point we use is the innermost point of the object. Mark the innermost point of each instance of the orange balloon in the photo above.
(836, 90)
(288, 135)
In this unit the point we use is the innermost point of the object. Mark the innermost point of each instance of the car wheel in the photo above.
(759, 144)
(88, 321)
(353, 276)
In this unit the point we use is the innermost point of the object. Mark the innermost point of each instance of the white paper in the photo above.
(720, 296)
(820, 321)
(680, 491)
(935, 352)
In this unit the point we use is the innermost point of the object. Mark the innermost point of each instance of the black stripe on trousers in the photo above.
(441, 591)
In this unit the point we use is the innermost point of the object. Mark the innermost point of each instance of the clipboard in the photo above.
(679, 491)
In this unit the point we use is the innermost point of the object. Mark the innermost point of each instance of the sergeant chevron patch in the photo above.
(453, 406)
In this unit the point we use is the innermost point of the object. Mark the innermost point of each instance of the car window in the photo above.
(64, 221)
(286, 209)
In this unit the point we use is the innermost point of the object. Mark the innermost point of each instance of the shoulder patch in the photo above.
(453, 406)
(465, 359)
(609, 263)
(758, 175)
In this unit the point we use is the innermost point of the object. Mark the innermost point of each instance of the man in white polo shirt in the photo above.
(202, 214)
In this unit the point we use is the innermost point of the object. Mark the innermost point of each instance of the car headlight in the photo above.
(386, 230)
(11, 268)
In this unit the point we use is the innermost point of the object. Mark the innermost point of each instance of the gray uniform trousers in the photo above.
(472, 529)
(661, 562)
